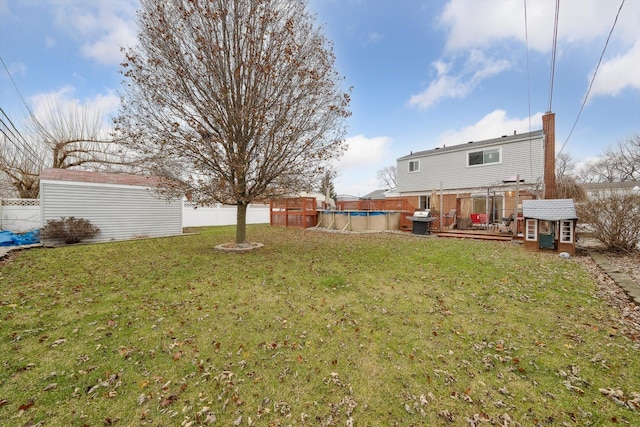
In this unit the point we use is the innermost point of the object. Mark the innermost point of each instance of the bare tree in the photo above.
(233, 100)
(614, 219)
(567, 187)
(74, 135)
(20, 169)
(565, 165)
(620, 162)
(326, 184)
(60, 136)
(387, 177)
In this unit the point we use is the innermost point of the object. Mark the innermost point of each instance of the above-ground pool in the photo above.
(359, 220)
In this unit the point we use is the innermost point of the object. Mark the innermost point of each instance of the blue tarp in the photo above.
(9, 238)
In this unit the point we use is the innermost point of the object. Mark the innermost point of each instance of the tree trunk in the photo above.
(241, 223)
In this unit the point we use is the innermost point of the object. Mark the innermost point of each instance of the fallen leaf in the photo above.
(168, 401)
(26, 406)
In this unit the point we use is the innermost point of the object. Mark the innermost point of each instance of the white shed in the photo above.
(123, 206)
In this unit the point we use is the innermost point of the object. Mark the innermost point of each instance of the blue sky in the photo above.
(425, 73)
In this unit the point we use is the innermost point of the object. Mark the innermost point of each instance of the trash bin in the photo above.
(463, 223)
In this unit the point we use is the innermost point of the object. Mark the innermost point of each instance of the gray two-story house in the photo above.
(481, 177)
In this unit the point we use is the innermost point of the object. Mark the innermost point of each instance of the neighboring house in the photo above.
(607, 188)
(375, 195)
(489, 176)
(123, 206)
(550, 224)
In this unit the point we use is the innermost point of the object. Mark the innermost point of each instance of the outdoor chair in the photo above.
(505, 227)
(451, 214)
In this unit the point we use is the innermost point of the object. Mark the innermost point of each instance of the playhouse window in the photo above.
(414, 166)
(532, 229)
(566, 231)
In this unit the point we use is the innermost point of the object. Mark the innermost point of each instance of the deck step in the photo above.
(477, 236)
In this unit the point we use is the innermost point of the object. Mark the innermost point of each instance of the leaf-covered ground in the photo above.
(313, 329)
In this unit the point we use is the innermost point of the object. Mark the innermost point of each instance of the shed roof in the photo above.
(549, 209)
(53, 174)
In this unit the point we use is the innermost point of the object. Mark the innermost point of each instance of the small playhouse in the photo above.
(550, 224)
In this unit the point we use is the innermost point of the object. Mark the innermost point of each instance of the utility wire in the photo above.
(526, 42)
(553, 55)
(20, 142)
(22, 146)
(586, 97)
(16, 86)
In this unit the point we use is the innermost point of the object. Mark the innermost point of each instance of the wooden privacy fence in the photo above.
(298, 212)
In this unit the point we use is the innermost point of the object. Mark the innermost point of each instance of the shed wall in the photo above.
(121, 212)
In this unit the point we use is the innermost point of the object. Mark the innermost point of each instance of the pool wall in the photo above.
(359, 220)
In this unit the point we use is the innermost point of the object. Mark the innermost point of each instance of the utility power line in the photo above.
(553, 54)
(586, 97)
(15, 86)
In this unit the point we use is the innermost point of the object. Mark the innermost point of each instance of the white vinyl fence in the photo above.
(194, 215)
(22, 215)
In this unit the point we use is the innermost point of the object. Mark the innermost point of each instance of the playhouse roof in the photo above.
(549, 209)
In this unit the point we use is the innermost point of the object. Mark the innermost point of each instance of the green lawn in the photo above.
(313, 329)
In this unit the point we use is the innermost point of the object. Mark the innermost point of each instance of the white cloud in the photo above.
(101, 105)
(475, 24)
(358, 167)
(104, 26)
(374, 37)
(17, 68)
(363, 152)
(49, 42)
(475, 27)
(476, 69)
(492, 125)
(614, 75)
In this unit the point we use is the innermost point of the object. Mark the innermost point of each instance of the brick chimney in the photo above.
(549, 128)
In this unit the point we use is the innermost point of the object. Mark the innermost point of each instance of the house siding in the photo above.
(521, 155)
(120, 211)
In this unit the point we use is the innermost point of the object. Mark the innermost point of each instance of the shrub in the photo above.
(69, 230)
(614, 219)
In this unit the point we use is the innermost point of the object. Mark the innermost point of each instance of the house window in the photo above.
(531, 229)
(483, 157)
(566, 231)
(414, 165)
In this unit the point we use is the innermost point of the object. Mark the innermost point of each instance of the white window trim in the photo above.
(484, 164)
(417, 162)
(569, 223)
(531, 237)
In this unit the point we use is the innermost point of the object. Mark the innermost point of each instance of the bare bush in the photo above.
(614, 219)
(69, 230)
